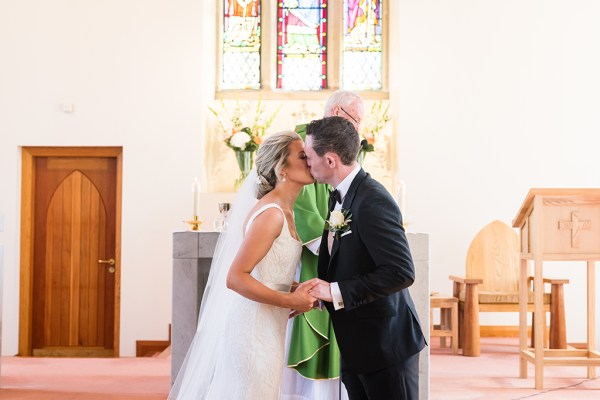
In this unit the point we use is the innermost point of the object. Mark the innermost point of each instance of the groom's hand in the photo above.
(322, 291)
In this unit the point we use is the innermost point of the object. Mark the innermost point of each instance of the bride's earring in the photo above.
(283, 178)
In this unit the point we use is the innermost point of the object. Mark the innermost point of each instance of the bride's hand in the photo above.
(294, 313)
(300, 299)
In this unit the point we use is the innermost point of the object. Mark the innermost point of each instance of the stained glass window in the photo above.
(241, 44)
(301, 44)
(282, 46)
(362, 45)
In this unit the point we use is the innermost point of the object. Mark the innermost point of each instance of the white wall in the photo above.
(495, 97)
(134, 72)
(491, 98)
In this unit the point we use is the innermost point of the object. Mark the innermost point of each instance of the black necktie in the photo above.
(334, 197)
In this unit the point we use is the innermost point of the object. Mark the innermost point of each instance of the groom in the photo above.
(368, 262)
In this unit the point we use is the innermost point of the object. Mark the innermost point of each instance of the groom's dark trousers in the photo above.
(395, 382)
(377, 327)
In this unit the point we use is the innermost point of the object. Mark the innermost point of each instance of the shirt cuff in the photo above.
(314, 245)
(336, 296)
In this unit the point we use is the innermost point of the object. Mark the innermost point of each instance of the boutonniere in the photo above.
(339, 221)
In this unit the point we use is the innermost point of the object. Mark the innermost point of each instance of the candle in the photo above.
(402, 198)
(196, 192)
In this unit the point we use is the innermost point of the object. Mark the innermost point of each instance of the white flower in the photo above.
(336, 219)
(339, 221)
(239, 139)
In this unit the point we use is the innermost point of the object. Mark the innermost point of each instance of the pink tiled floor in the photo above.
(84, 378)
(493, 376)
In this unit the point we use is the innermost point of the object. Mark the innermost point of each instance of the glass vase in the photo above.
(244, 160)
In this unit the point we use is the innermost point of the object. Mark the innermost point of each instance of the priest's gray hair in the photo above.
(271, 158)
(348, 100)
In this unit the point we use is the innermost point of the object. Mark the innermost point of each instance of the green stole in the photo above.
(314, 352)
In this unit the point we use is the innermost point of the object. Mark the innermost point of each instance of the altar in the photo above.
(192, 256)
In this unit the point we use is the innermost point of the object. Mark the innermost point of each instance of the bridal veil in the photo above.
(197, 371)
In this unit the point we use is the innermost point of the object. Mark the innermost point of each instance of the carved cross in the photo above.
(576, 226)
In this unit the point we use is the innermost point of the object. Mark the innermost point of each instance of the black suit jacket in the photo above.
(378, 326)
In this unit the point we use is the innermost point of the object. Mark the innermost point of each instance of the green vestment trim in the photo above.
(313, 349)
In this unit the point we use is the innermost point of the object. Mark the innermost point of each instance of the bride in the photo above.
(238, 349)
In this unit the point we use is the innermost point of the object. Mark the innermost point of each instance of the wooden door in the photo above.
(74, 299)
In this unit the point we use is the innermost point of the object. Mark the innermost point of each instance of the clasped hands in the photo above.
(309, 293)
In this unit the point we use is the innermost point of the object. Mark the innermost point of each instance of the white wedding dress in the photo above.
(250, 352)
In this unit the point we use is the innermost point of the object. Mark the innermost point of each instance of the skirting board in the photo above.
(503, 331)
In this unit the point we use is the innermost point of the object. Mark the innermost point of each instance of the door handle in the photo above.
(110, 262)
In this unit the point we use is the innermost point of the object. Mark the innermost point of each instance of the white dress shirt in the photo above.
(342, 188)
(314, 245)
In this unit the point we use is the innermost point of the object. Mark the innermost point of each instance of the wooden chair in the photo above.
(492, 284)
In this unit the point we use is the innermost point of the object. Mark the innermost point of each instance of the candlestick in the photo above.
(194, 223)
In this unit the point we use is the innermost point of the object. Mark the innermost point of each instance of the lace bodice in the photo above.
(276, 270)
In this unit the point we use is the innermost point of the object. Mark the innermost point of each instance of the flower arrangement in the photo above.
(339, 221)
(243, 140)
(243, 130)
(373, 124)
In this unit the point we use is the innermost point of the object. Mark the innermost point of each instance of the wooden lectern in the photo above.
(557, 225)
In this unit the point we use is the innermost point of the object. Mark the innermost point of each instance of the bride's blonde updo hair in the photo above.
(270, 159)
